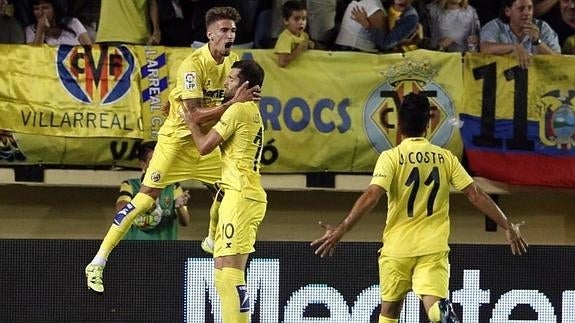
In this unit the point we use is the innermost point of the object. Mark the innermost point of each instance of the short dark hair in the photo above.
(60, 15)
(290, 6)
(505, 4)
(146, 148)
(414, 114)
(250, 71)
(221, 13)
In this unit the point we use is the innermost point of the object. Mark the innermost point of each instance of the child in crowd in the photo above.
(396, 10)
(293, 40)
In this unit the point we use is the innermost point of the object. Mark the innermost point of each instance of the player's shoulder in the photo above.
(444, 151)
(196, 57)
(285, 34)
(390, 153)
(243, 108)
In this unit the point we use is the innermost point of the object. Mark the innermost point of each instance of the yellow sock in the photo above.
(383, 319)
(232, 290)
(434, 313)
(214, 217)
(122, 222)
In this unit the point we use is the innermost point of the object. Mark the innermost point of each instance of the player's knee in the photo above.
(391, 309)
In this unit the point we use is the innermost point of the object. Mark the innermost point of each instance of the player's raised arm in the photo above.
(202, 116)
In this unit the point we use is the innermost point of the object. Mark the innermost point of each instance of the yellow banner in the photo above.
(71, 91)
(520, 117)
(336, 111)
(327, 111)
(154, 84)
(21, 148)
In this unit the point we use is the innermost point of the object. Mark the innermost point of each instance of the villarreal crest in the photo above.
(95, 74)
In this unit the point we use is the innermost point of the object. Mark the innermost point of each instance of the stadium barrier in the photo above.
(152, 281)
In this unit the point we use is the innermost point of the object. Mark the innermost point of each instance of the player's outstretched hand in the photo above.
(518, 244)
(326, 244)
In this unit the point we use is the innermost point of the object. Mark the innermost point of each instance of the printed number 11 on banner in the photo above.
(486, 138)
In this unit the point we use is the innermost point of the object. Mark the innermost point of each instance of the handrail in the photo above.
(274, 182)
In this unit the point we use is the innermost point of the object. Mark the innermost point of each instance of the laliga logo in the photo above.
(380, 114)
(98, 74)
(557, 128)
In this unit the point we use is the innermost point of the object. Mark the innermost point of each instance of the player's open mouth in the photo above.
(228, 44)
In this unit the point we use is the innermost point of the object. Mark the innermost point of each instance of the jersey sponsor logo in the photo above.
(190, 81)
(95, 74)
(558, 125)
(216, 94)
(244, 298)
(380, 113)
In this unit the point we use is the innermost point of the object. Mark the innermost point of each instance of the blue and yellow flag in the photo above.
(519, 124)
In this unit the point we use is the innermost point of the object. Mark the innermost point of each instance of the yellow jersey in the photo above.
(417, 176)
(242, 129)
(123, 22)
(198, 77)
(392, 17)
(287, 42)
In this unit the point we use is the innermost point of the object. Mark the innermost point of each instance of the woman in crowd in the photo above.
(53, 27)
(454, 26)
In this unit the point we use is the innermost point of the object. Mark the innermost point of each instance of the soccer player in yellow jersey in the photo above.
(416, 176)
(239, 132)
(200, 91)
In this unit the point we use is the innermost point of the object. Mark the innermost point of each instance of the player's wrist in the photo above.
(508, 225)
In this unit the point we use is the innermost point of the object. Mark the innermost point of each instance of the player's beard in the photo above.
(228, 95)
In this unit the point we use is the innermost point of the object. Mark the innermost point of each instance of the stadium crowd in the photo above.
(519, 27)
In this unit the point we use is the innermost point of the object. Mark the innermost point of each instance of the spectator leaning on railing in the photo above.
(352, 35)
(560, 14)
(293, 40)
(54, 27)
(517, 32)
(405, 32)
(454, 26)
